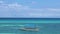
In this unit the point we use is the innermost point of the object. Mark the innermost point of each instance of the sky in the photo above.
(29, 8)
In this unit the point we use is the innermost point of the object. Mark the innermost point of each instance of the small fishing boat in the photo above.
(29, 29)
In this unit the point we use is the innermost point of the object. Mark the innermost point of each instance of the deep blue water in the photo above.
(29, 20)
(46, 25)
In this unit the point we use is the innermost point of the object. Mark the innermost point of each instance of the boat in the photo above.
(29, 29)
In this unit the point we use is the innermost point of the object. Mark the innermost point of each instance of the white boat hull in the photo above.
(29, 29)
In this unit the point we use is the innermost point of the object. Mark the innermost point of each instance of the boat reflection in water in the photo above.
(29, 28)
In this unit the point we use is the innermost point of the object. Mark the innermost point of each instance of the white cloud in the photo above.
(18, 10)
(1, 2)
(34, 2)
(53, 9)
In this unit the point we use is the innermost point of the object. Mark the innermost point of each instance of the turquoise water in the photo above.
(46, 26)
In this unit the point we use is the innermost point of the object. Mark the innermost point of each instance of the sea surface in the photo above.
(13, 25)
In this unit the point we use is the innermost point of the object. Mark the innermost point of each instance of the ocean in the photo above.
(46, 25)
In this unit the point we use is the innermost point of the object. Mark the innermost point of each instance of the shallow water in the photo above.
(46, 26)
